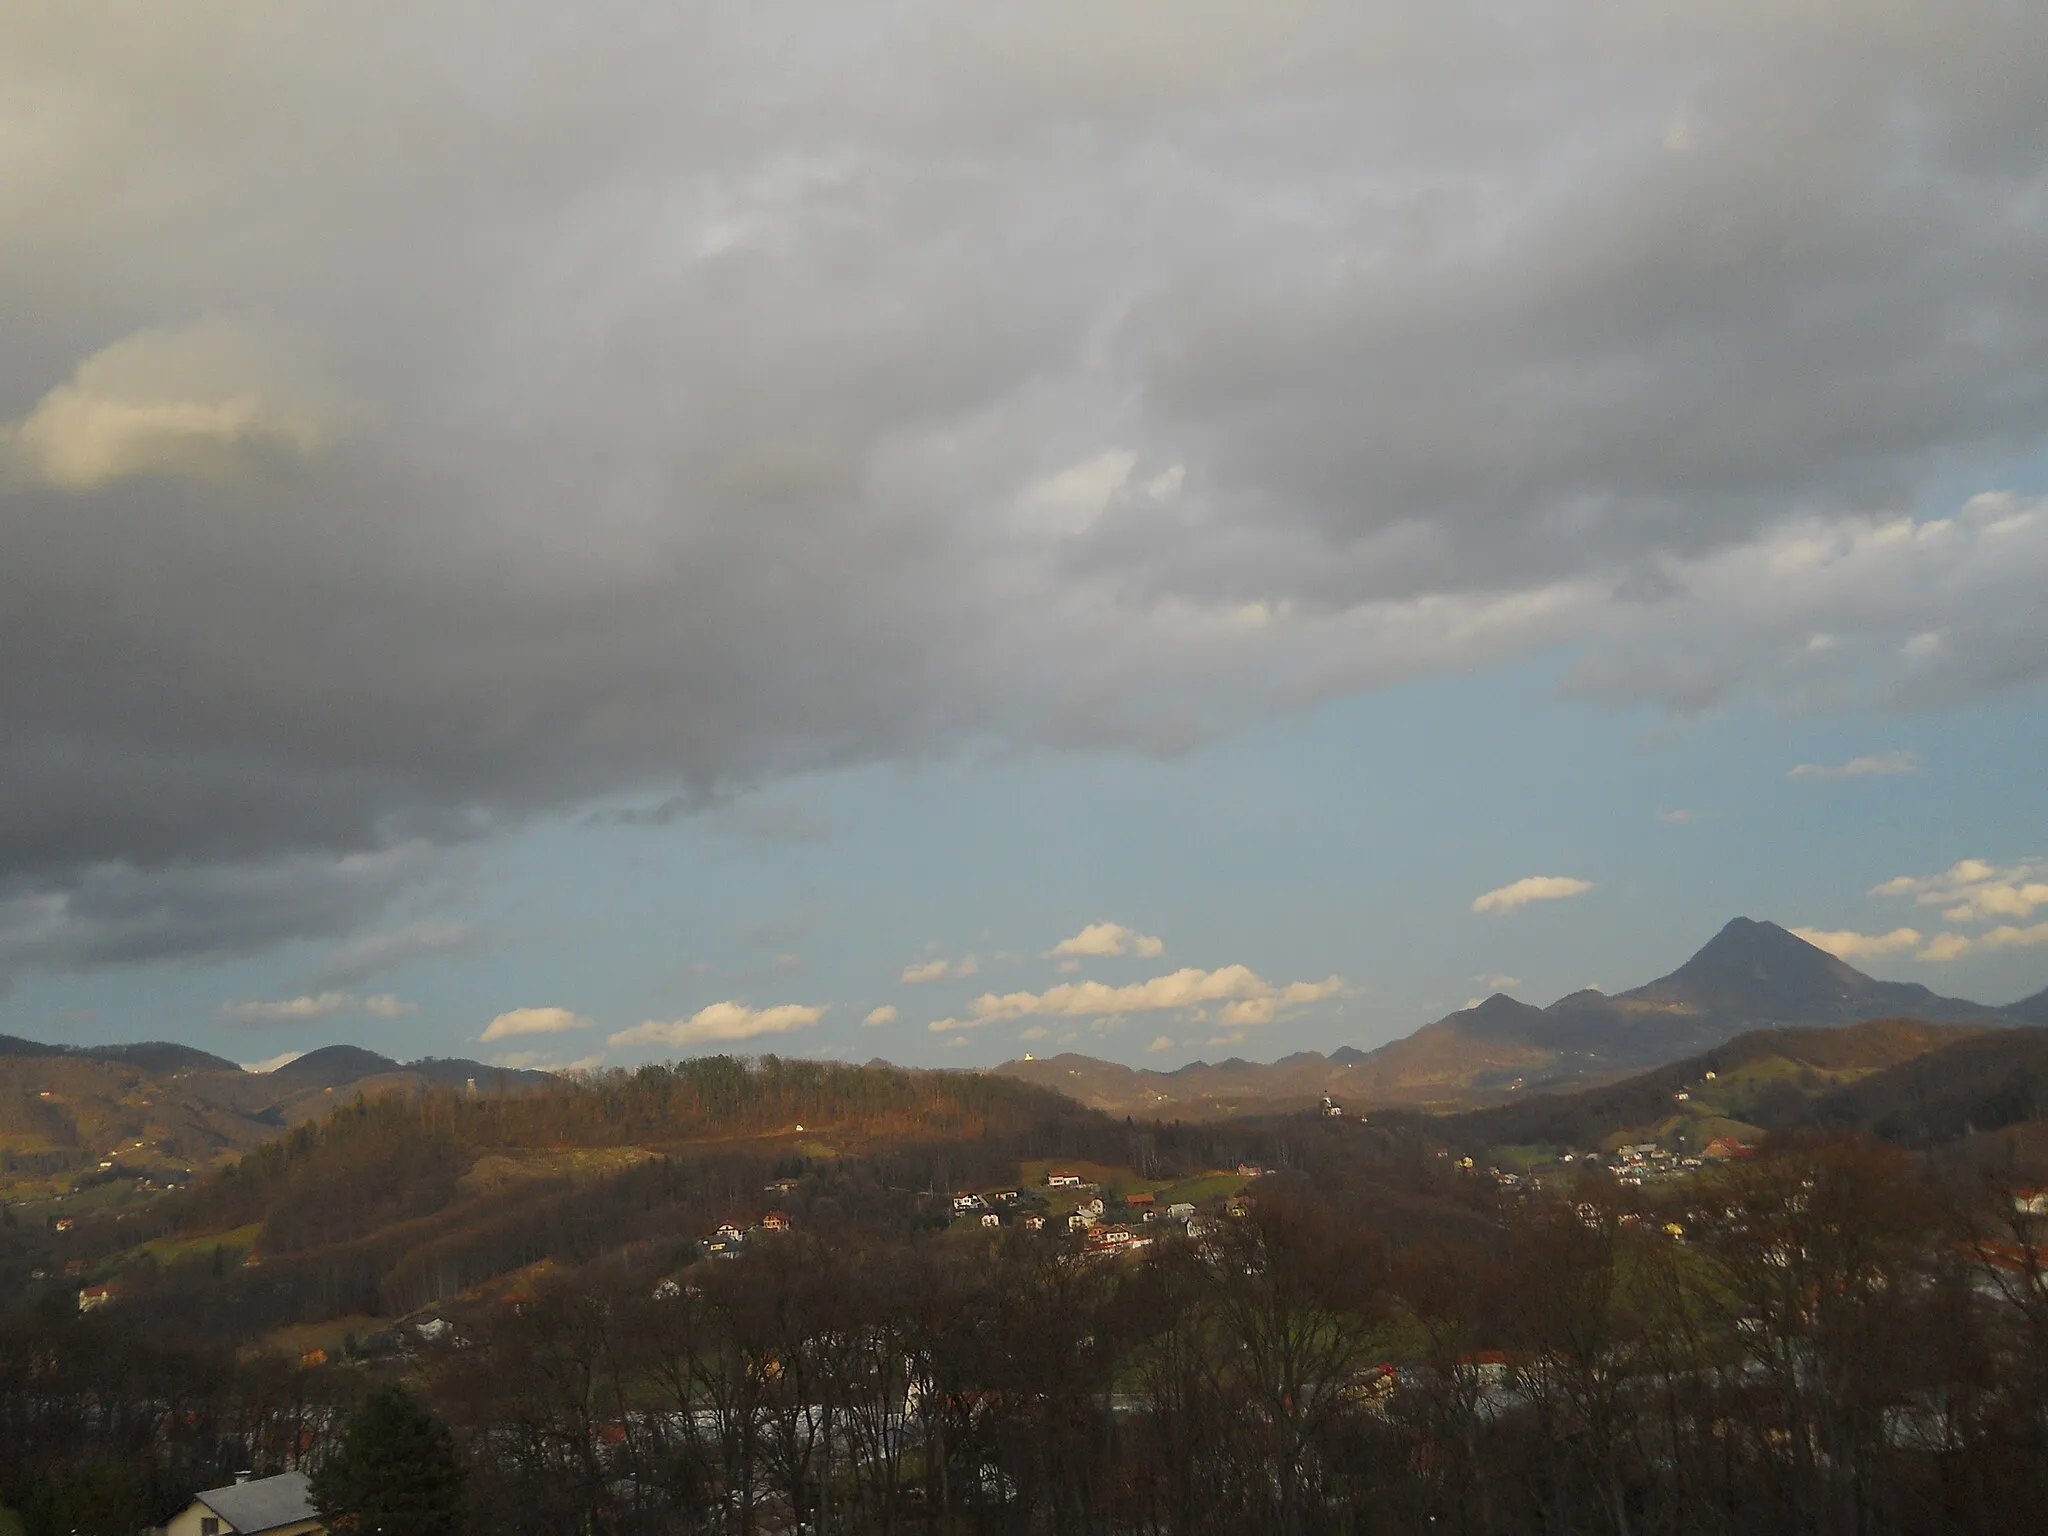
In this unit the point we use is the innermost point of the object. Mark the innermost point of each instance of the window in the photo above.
(209, 1525)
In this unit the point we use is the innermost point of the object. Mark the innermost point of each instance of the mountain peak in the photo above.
(1755, 972)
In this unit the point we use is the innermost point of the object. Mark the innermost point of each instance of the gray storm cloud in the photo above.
(416, 421)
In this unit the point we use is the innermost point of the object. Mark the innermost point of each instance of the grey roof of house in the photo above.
(262, 1503)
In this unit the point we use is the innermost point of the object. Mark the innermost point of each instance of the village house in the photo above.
(1034, 1222)
(1180, 1211)
(991, 1219)
(1082, 1220)
(93, 1297)
(259, 1506)
(1331, 1109)
(1142, 1200)
(1062, 1181)
(775, 1221)
(968, 1202)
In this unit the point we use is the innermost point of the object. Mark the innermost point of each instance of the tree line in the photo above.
(1837, 1337)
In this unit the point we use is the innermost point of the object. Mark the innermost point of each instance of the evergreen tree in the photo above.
(395, 1473)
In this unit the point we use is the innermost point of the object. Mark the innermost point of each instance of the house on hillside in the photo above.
(775, 1221)
(1331, 1109)
(251, 1506)
(1723, 1148)
(963, 1203)
(1141, 1201)
(1111, 1239)
(1034, 1222)
(1062, 1181)
(991, 1219)
(93, 1297)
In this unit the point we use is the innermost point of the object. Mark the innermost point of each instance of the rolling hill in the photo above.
(158, 1109)
(1751, 975)
(1757, 1081)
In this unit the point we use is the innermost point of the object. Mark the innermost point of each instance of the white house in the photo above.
(271, 1506)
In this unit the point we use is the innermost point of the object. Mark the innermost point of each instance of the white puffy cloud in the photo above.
(388, 1005)
(1108, 939)
(1879, 765)
(1187, 988)
(886, 1014)
(1530, 888)
(1847, 944)
(1161, 1043)
(1298, 992)
(721, 1022)
(1946, 946)
(941, 969)
(186, 400)
(291, 1010)
(1975, 891)
(532, 1021)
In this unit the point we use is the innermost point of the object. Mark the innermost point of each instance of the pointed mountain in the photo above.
(1750, 975)
(1753, 974)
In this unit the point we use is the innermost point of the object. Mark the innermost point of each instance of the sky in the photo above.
(587, 535)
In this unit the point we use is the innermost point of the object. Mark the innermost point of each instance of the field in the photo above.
(1112, 1179)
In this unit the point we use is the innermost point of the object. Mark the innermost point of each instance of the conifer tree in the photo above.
(395, 1474)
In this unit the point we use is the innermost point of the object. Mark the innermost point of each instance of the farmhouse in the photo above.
(262, 1506)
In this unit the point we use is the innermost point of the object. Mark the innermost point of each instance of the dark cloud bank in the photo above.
(416, 424)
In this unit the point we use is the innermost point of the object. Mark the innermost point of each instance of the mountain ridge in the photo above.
(1751, 975)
